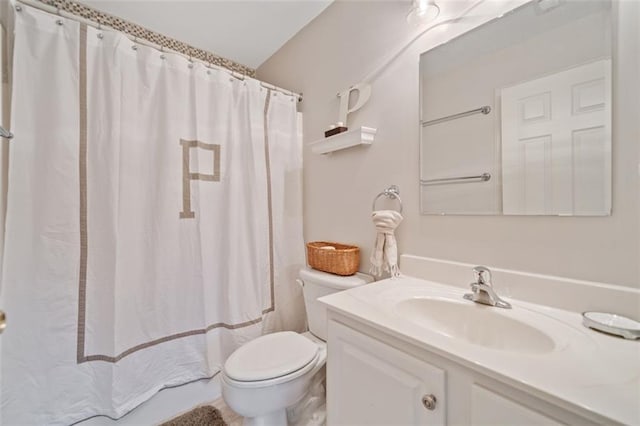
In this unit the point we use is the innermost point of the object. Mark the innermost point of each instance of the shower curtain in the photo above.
(154, 221)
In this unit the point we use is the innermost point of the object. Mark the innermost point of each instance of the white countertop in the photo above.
(588, 372)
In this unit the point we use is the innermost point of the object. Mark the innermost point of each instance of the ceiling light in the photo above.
(422, 11)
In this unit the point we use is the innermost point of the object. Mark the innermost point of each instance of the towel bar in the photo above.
(458, 179)
(485, 110)
(391, 192)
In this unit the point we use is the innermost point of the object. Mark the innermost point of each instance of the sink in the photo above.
(481, 325)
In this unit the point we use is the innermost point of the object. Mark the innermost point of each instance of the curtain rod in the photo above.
(38, 4)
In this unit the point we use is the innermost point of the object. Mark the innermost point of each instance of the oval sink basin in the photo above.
(476, 323)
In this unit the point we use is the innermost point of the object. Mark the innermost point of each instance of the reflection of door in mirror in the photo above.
(542, 79)
(556, 139)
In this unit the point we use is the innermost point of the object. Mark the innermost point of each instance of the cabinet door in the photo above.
(372, 383)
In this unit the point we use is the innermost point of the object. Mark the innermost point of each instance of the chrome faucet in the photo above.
(482, 289)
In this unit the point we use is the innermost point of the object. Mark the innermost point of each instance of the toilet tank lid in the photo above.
(334, 281)
(270, 356)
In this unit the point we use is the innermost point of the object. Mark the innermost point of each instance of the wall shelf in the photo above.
(358, 136)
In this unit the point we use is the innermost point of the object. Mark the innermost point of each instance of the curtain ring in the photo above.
(59, 21)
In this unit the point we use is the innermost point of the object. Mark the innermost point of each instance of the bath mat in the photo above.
(201, 416)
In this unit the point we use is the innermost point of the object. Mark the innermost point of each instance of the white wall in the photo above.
(347, 42)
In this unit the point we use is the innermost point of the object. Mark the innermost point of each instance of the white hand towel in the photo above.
(385, 252)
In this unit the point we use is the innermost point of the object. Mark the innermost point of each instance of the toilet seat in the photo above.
(277, 380)
(271, 358)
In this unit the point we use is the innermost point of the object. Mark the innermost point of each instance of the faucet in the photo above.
(482, 289)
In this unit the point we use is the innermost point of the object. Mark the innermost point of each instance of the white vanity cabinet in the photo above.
(374, 378)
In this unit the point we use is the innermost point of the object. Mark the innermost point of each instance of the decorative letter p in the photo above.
(364, 93)
(187, 176)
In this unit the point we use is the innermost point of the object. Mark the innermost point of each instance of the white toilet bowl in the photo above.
(267, 375)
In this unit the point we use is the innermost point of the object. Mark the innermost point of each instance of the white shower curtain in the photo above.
(154, 221)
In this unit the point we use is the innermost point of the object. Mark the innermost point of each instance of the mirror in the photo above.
(516, 114)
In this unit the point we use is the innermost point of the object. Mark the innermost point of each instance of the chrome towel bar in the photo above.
(458, 179)
(484, 110)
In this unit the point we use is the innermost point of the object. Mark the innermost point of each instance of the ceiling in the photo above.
(245, 31)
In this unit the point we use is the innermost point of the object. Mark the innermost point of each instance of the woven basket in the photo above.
(344, 260)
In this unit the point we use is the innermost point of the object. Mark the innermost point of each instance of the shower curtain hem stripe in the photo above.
(147, 399)
(113, 359)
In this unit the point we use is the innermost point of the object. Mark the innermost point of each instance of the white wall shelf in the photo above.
(359, 136)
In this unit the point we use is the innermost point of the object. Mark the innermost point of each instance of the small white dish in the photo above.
(612, 324)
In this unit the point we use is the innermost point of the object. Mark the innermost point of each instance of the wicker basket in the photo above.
(343, 259)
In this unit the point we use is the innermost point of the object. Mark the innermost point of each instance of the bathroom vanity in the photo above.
(409, 351)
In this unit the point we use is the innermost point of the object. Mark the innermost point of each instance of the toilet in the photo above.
(264, 377)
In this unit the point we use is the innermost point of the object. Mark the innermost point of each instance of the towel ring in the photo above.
(391, 192)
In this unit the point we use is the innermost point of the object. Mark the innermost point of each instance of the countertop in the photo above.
(588, 372)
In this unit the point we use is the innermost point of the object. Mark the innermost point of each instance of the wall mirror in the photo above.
(516, 114)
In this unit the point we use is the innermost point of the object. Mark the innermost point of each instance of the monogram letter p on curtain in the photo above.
(188, 176)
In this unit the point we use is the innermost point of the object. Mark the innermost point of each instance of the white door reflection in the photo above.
(556, 143)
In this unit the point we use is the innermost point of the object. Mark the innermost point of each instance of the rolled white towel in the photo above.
(385, 251)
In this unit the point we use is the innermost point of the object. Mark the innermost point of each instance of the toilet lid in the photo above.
(270, 356)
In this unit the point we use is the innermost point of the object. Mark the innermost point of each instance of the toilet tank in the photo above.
(316, 284)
